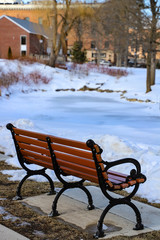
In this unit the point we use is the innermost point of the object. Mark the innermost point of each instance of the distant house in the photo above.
(23, 38)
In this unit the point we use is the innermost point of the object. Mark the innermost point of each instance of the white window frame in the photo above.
(23, 47)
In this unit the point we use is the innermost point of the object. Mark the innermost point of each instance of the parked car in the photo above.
(106, 63)
(131, 63)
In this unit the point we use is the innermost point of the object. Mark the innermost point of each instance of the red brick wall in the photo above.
(35, 46)
(10, 37)
(32, 14)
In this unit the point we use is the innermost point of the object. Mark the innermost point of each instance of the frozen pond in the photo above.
(85, 114)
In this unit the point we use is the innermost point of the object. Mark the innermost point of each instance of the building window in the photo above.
(103, 55)
(93, 44)
(23, 45)
(40, 20)
(23, 40)
(23, 53)
(94, 55)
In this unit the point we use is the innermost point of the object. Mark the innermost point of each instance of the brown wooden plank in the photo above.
(44, 158)
(124, 185)
(73, 151)
(117, 173)
(140, 180)
(34, 149)
(80, 175)
(121, 179)
(32, 141)
(40, 163)
(22, 132)
(114, 181)
(68, 142)
(77, 167)
(74, 159)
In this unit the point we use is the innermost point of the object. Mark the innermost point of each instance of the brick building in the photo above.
(36, 14)
(23, 37)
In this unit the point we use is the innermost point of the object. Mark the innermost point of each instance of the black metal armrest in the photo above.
(123, 161)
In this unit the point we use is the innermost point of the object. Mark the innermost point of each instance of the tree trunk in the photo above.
(148, 82)
(52, 60)
(153, 68)
(118, 59)
(151, 59)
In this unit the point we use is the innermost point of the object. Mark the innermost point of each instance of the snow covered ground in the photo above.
(123, 128)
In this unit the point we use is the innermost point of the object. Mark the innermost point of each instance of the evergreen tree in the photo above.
(78, 55)
(9, 53)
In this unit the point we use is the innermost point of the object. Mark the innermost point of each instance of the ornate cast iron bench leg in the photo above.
(33, 173)
(139, 225)
(90, 206)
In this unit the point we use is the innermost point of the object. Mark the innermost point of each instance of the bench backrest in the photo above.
(74, 158)
(31, 147)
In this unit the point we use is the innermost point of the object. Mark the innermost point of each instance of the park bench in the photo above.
(82, 160)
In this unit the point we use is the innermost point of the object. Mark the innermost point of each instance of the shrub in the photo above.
(78, 56)
(10, 53)
(84, 69)
(8, 79)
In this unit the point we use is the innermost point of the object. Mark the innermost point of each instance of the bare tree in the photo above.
(152, 32)
(61, 25)
(122, 19)
(61, 18)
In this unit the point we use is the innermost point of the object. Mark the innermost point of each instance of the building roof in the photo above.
(30, 27)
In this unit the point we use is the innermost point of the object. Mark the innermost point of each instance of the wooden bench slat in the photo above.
(117, 173)
(114, 181)
(22, 132)
(27, 153)
(69, 142)
(80, 175)
(31, 141)
(121, 179)
(34, 148)
(73, 166)
(41, 163)
(73, 151)
(74, 159)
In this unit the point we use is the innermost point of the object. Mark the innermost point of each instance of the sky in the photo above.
(121, 127)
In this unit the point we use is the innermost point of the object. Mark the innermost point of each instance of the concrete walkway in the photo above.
(8, 234)
(119, 221)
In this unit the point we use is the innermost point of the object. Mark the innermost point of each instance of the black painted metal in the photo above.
(66, 185)
(105, 188)
(29, 172)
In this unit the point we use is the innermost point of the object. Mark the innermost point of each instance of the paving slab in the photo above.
(8, 234)
(72, 207)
